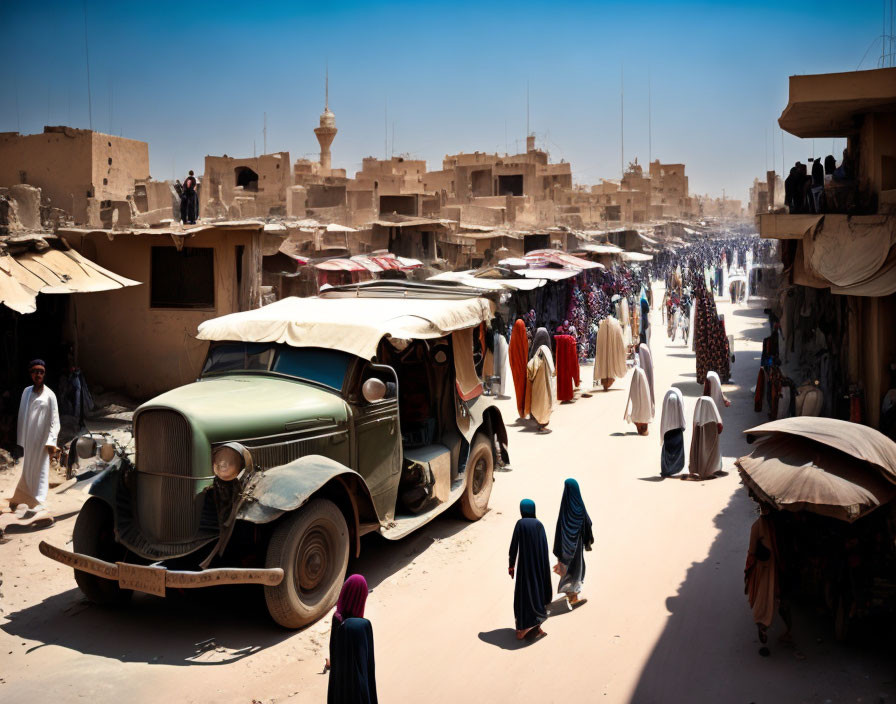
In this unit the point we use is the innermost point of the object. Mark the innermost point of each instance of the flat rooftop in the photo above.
(826, 104)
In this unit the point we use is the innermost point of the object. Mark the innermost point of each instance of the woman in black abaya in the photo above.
(572, 537)
(352, 673)
(530, 565)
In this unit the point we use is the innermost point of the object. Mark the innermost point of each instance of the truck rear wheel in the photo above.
(480, 473)
(311, 546)
(94, 535)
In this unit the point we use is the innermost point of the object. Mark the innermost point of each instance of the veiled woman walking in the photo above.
(530, 566)
(352, 674)
(572, 537)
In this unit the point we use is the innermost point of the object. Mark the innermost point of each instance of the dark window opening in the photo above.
(23, 177)
(184, 279)
(105, 182)
(246, 178)
(110, 161)
(510, 185)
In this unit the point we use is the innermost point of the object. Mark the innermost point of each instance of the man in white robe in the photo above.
(38, 430)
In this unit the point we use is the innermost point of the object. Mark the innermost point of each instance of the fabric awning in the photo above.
(24, 276)
(339, 265)
(635, 257)
(353, 324)
(853, 439)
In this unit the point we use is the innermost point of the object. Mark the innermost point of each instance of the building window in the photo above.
(110, 161)
(246, 178)
(184, 279)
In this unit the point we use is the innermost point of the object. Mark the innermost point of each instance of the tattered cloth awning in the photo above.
(25, 275)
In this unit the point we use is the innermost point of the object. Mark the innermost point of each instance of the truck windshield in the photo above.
(327, 367)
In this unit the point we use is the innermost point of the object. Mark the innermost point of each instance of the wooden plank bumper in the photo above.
(154, 580)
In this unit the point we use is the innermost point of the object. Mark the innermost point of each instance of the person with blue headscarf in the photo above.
(572, 537)
(531, 567)
(644, 336)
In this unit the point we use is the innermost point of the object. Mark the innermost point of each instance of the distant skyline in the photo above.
(193, 79)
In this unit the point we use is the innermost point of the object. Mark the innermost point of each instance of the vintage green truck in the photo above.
(315, 421)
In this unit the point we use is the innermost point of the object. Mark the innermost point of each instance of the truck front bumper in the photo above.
(154, 580)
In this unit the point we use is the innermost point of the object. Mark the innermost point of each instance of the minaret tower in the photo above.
(327, 131)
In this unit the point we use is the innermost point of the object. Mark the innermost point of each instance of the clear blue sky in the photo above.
(194, 78)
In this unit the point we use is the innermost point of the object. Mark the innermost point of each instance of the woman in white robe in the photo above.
(672, 428)
(609, 357)
(541, 390)
(38, 430)
(645, 361)
(639, 407)
(501, 369)
(705, 458)
(712, 387)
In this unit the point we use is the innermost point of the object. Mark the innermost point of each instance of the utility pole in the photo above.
(649, 123)
(87, 61)
(622, 120)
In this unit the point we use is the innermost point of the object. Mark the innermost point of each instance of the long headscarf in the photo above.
(352, 598)
(715, 389)
(571, 521)
(527, 508)
(673, 412)
(541, 337)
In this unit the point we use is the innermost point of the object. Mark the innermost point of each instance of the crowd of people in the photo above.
(804, 188)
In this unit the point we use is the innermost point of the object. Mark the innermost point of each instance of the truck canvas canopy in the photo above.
(350, 324)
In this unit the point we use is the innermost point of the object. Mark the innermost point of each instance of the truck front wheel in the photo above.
(311, 546)
(94, 535)
(480, 471)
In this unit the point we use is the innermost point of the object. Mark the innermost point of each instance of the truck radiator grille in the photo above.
(166, 508)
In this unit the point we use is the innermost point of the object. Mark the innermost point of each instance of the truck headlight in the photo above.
(229, 460)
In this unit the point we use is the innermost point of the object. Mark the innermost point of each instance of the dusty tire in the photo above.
(312, 547)
(94, 535)
(480, 473)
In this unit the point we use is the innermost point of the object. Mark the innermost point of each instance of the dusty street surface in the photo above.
(666, 619)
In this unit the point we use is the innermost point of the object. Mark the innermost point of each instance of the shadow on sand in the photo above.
(709, 651)
(197, 627)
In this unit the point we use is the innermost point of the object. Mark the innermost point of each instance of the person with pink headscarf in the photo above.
(352, 674)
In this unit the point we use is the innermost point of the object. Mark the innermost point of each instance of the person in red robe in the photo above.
(567, 367)
(518, 353)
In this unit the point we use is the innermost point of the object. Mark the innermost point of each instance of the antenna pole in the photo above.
(87, 61)
(527, 109)
(265, 133)
(649, 123)
(622, 119)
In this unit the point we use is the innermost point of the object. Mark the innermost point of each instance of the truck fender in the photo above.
(278, 490)
(105, 486)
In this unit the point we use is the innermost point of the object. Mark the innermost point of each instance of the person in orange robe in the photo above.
(518, 352)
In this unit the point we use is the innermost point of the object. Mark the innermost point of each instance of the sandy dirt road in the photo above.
(666, 620)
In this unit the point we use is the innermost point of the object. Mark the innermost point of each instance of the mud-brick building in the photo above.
(77, 170)
(142, 340)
